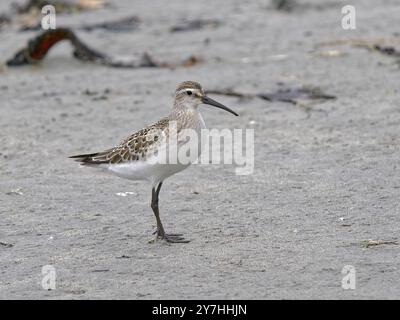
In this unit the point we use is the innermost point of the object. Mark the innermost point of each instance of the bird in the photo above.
(138, 157)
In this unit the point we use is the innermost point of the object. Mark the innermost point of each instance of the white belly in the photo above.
(142, 170)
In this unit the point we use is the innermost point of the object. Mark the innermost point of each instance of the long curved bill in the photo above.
(211, 102)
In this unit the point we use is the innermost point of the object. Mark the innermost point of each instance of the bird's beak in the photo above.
(211, 102)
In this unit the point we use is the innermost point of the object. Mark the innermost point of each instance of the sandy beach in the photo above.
(325, 188)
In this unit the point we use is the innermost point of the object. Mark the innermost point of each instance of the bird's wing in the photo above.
(133, 148)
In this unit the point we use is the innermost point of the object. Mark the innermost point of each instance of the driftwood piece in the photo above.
(38, 47)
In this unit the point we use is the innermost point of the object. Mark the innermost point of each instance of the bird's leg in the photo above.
(160, 229)
(154, 205)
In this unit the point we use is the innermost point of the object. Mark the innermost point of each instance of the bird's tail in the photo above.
(90, 158)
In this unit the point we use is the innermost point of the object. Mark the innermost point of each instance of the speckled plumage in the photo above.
(144, 143)
(137, 146)
(138, 156)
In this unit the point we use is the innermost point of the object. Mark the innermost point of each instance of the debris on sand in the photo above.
(75, 291)
(191, 61)
(31, 23)
(89, 92)
(329, 53)
(38, 47)
(5, 244)
(4, 20)
(196, 25)
(100, 270)
(96, 96)
(17, 192)
(283, 5)
(289, 95)
(371, 243)
(292, 5)
(124, 194)
(387, 50)
(382, 46)
(120, 25)
(293, 95)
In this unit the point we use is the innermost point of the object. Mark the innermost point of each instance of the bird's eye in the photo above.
(189, 93)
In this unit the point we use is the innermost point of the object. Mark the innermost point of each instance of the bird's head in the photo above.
(190, 94)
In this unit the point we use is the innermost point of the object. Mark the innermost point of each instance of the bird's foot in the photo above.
(174, 238)
(170, 238)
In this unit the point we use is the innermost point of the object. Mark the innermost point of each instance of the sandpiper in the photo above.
(136, 157)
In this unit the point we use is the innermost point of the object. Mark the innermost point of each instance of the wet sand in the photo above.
(326, 175)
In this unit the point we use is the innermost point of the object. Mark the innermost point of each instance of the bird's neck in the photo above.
(186, 116)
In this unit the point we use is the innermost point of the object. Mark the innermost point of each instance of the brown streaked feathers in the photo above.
(133, 148)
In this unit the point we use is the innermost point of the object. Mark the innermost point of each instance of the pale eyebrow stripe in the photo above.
(185, 90)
